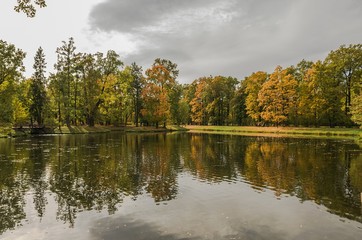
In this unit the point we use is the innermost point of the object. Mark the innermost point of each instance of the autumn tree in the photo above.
(109, 67)
(277, 97)
(311, 101)
(199, 102)
(37, 91)
(116, 107)
(161, 78)
(252, 86)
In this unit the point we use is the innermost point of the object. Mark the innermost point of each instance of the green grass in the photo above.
(323, 131)
(6, 131)
(85, 129)
(104, 129)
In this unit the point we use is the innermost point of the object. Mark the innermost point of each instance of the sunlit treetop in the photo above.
(29, 6)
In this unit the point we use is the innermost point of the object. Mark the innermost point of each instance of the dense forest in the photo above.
(96, 88)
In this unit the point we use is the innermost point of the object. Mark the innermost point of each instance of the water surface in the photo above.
(179, 186)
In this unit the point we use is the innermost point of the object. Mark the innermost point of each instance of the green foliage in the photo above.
(179, 109)
(345, 65)
(7, 93)
(239, 114)
(29, 6)
(11, 68)
(137, 84)
(356, 109)
(11, 62)
(66, 68)
(220, 92)
(37, 92)
(89, 89)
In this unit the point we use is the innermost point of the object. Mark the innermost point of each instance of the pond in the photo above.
(179, 186)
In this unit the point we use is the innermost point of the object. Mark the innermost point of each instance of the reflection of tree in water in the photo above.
(36, 172)
(159, 168)
(13, 186)
(100, 176)
(325, 171)
(212, 157)
(83, 179)
(310, 169)
(97, 172)
(11, 204)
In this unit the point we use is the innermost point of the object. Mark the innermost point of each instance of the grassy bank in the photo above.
(104, 129)
(323, 131)
(272, 131)
(10, 132)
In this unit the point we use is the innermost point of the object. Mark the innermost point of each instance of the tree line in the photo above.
(97, 88)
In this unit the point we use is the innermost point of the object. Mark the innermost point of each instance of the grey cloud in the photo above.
(132, 15)
(212, 37)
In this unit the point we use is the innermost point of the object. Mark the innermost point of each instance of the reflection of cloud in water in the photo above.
(126, 228)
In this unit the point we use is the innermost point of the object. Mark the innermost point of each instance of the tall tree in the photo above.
(356, 109)
(238, 107)
(333, 93)
(177, 108)
(37, 88)
(161, 78)
(312, 99)
(11, 62)
(346, 65)
(199, 102)
(11, 68)
(277, 97)
(299, 73)
(66, 67)
(220, 92)
(109, 68)
(137, 85)
(252, 86)
(89, 75)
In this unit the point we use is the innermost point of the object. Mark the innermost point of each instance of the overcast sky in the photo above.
(204, 37)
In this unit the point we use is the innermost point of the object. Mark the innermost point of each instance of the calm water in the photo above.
(179, 186)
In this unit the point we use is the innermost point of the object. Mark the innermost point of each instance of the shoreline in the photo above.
(24, 132)
(324, 132)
